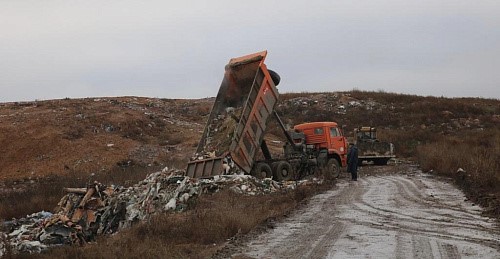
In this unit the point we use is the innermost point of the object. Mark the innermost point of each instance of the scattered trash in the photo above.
(85, 213)
(3, 240)
(354, 103)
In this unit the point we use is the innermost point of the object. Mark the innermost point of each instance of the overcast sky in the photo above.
(178, 49)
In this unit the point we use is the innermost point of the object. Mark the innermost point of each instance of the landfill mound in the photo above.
(84, 136)
(85, 213)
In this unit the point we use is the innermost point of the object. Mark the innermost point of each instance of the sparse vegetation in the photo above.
(473, 160)
(442, 134)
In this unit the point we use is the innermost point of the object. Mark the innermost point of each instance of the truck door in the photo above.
(337, 141)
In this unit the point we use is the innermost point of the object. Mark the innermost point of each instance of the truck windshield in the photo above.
(367, 135)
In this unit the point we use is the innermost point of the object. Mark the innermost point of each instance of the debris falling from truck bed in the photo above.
(219, 133)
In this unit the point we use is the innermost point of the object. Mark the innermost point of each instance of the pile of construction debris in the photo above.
(85, 213)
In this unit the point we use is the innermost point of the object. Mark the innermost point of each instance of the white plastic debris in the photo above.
(184, 197)
(171, 204)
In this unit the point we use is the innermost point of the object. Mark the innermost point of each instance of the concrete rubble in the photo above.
(85, 213)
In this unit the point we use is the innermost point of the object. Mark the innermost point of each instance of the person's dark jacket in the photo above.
(352, 159)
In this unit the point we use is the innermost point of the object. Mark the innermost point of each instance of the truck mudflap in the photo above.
(236, 125)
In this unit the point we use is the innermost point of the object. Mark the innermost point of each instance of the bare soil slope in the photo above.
(94, 135)
(91, 135)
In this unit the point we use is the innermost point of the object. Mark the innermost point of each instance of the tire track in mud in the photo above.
(448, 220)
(310, 233)
(441, 208)
(382, 216)
(493, 243)
(451, 227)
(414, 190)
(448, 251)
(411, 193)
(435, 211)
(417, 219)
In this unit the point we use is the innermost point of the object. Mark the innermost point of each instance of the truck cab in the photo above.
(325, 137)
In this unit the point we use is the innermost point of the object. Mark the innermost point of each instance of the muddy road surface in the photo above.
(390, 212)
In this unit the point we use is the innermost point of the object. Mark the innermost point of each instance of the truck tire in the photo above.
(273, 166)
(262, 170)
(333, 168)
(275, 77)
(283, 171)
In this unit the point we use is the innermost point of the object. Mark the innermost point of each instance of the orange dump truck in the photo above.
(235, 130)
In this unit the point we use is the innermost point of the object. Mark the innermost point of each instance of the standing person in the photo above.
(352, 161)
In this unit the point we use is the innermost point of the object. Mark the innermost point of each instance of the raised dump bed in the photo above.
(236, 125)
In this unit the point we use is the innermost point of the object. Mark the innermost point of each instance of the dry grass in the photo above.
(478, 153)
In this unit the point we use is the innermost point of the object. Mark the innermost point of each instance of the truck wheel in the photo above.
(262, 170)
(273, 166)
(283, 171)
(333, 168)
(275, 77)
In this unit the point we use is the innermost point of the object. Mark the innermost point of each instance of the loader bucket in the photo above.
(238, 119)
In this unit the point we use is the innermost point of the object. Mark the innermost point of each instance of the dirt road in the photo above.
(405, 214)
